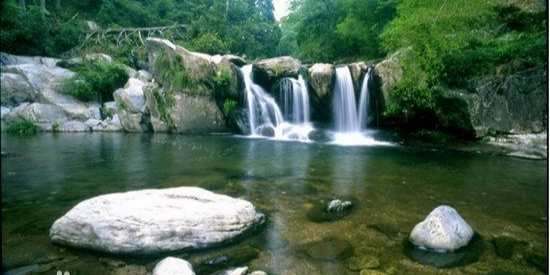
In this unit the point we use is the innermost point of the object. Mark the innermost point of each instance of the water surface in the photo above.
(503, 199)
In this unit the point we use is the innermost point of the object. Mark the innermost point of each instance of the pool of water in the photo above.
(503, 199)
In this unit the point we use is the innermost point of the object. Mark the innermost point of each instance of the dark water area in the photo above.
(503, 199)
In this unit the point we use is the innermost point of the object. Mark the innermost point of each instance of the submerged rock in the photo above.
(329, 249)
(338, 206)
(155, 220)
(442, 230)
(173, 266)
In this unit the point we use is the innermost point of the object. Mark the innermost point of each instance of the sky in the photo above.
(281, 8)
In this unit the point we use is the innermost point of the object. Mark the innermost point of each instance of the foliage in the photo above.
(31, 32)
(55, 127)
(96, 80)
(104, 112)
(229, 105)
(23, 128)
(172, 71)
(209, 43)
(222, 80)
(333, 30)
(164, 100)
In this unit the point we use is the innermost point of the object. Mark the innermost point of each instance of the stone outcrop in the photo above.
(155, 220)
(357, 71)
(192, 108)
(15, 90)
(389, 72)
(173, 266)
(509, 104)
(266, 71)
(442, 230)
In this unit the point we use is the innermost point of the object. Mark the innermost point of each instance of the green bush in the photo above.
(55, 127)
(209, 43)
(23, 128)
(96, 80)
(222, 80)
(229, 105)
(171, 71)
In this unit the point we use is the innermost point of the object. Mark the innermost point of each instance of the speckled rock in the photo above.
(154, 221)
(173, 266)
(442, 230)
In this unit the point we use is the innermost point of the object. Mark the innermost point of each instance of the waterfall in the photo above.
(364, 101)
(264, 115)
(351, 120)
(344, 104)
(294, 99)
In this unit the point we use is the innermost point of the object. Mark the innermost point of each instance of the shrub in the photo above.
(55, 127)
(222, 80)
(209, 43)
(229, 105)
(96, 80)
(23, 128)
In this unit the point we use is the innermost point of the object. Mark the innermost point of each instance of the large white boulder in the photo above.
(15, 89)
(173, 266)
(442, 230)
(155, 220)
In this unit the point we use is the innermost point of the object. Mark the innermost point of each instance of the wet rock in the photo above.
(155, 220)
(389, 72)
(233, 271)
(257, 272)
(386, 229)
(173, 266)
(266, 71)
(320, 135)
(320, 211)
(371, 272)
(15, 90)
(442, 230)
(74, 126)
(338, 206)
(267, 131)
(506, 247)
(322, 80)
(329, 249)
(23, 270)
(129, 270)
(538, 261)
(237, 60)
(460, 257)
(363, 262)
(224, 259)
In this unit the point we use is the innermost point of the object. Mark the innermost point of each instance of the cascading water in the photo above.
(351, 120)
(295, 100)
(344, 104)
(364, 101)
(265, 117)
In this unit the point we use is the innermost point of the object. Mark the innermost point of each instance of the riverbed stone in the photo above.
(338, 205)
(173, 266)
(328, 249)
(155, 220)
(442, 230)
(363, 262)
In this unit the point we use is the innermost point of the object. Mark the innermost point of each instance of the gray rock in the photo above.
(155, 220)
(40, 76)
(15, 90)
(235, 271)
(101, 57)
(266, 71)
(173, 266)
(257, 272)
(74, 126)
(108, 125)
(338, 206)
(35, 112)
(73, 108)
(236, 60)
(442, 230)
(322, 80)
(131, 96)
(144, 76)
(357, 71)
(510, 104)
(389, 72)
(9, 59)
(4, 111)
(111, 107)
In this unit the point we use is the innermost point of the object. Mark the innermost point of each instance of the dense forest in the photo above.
(443, 42)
